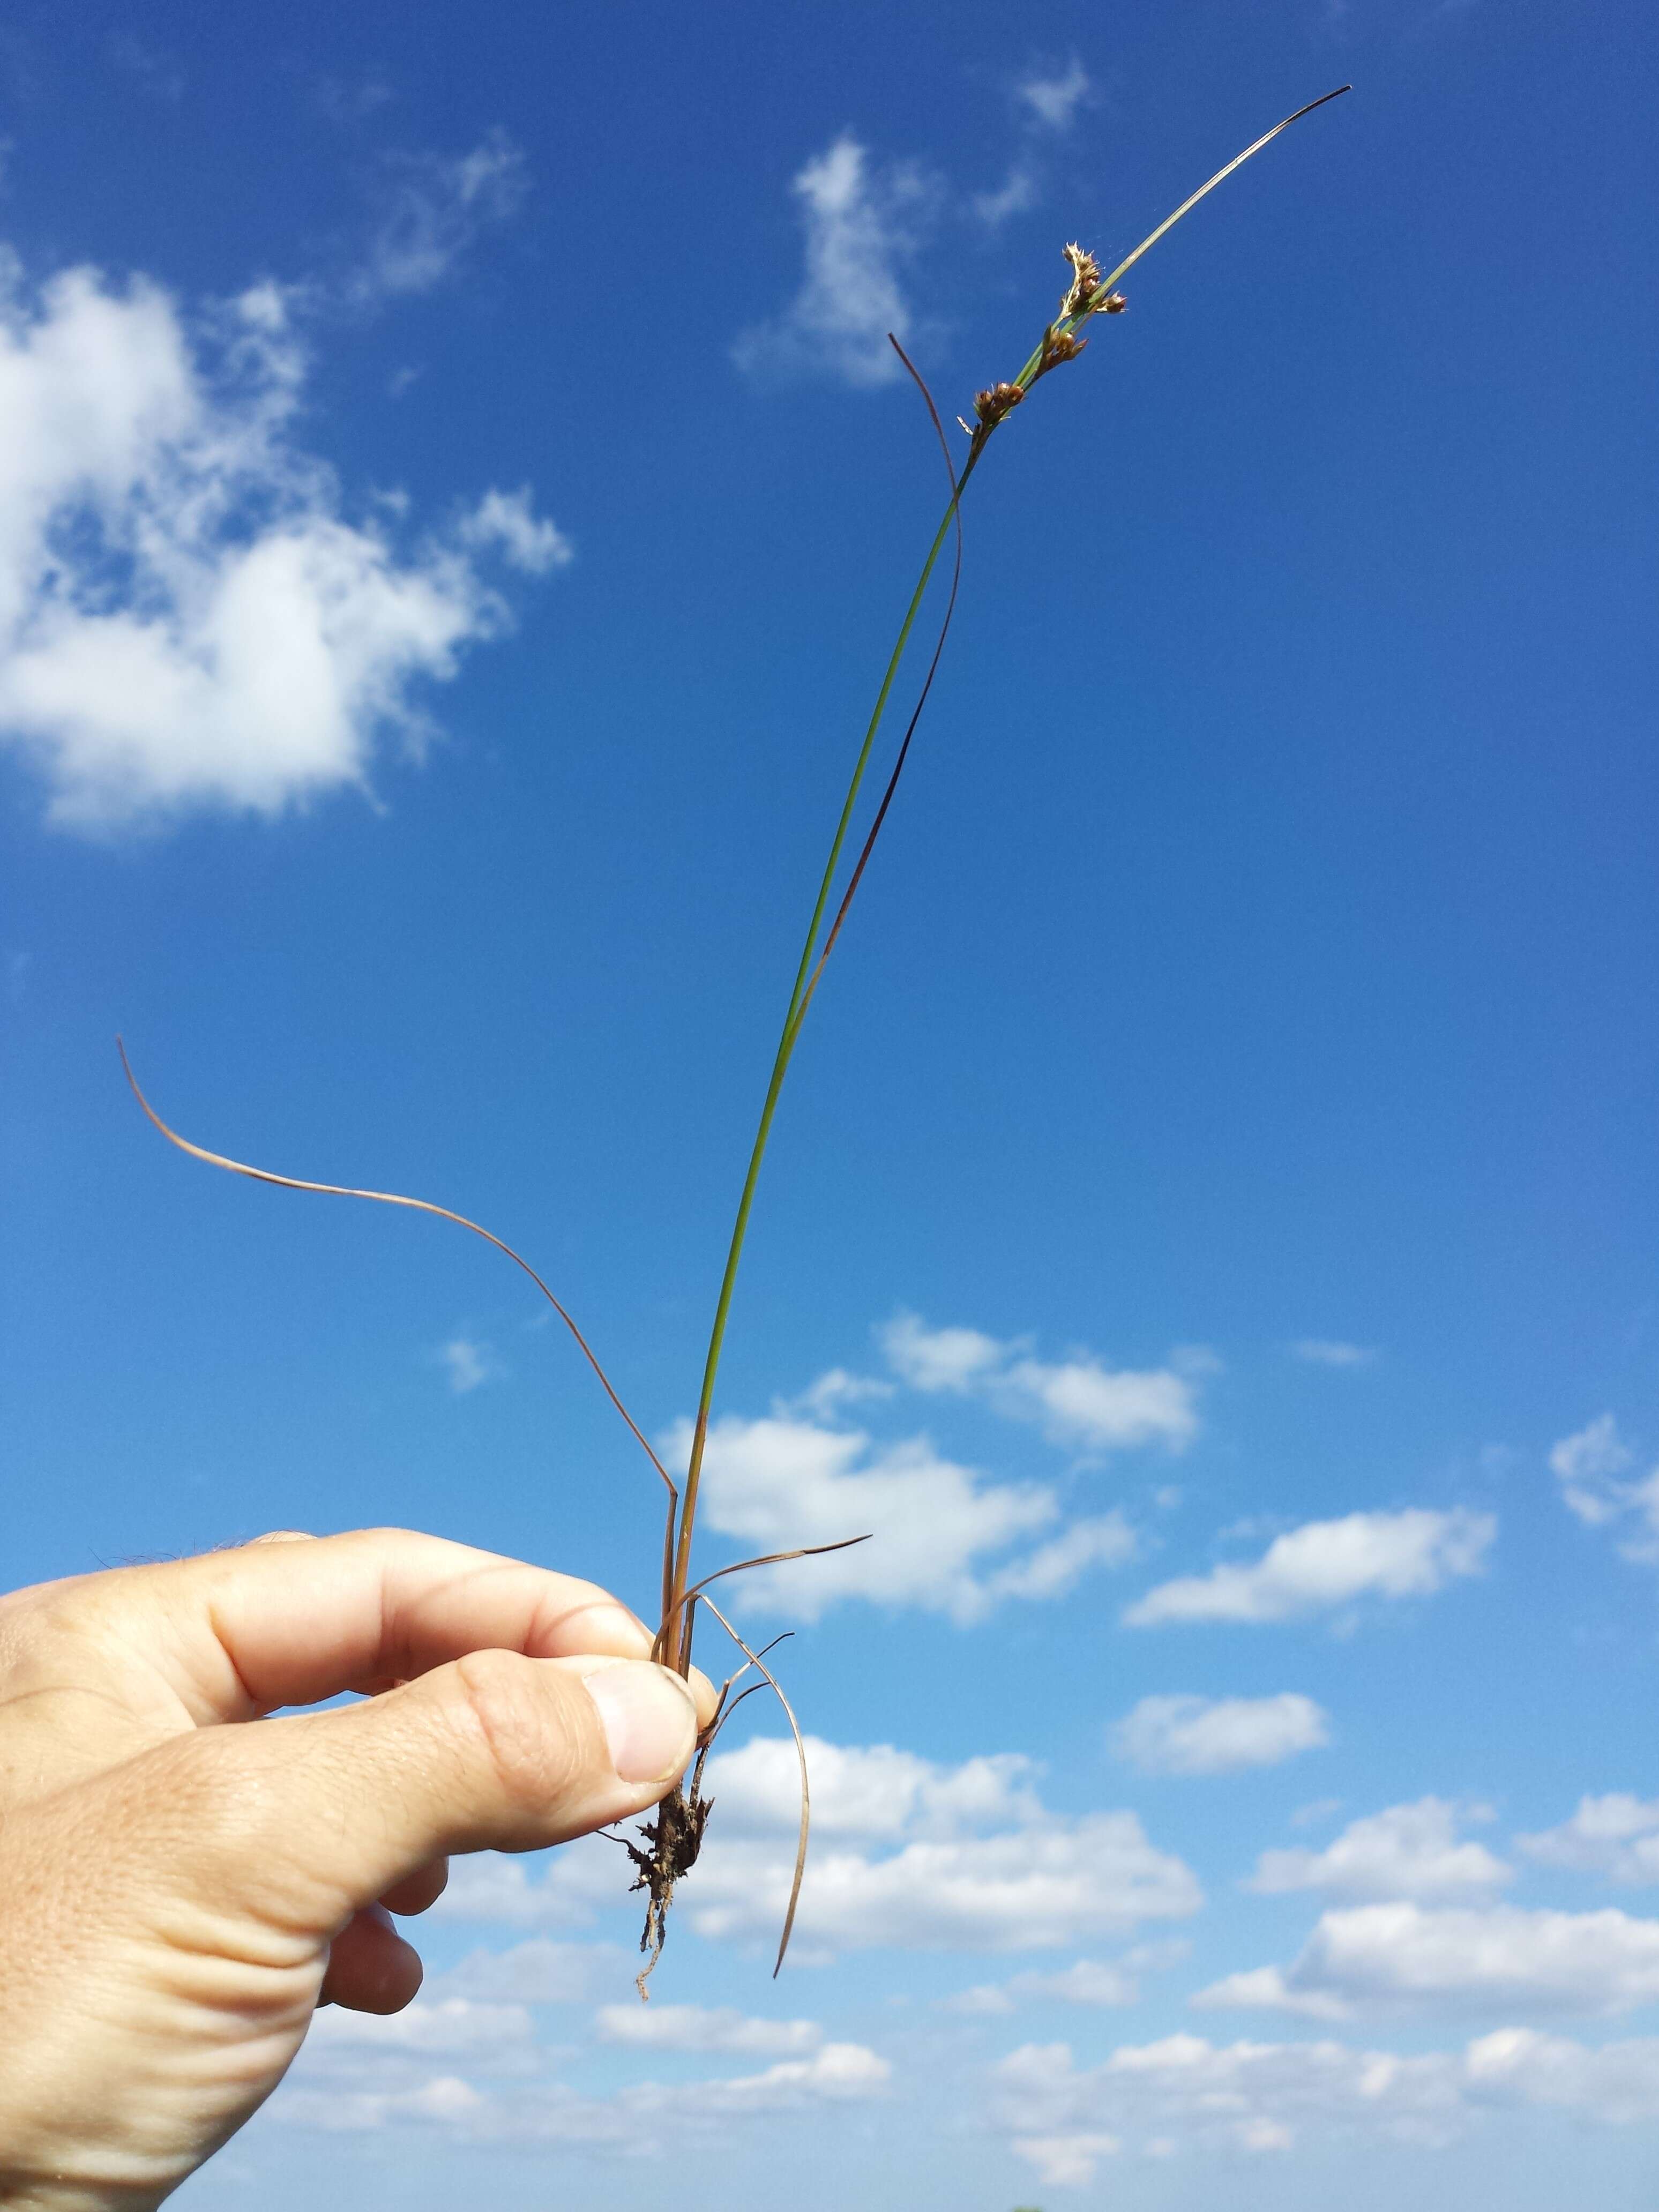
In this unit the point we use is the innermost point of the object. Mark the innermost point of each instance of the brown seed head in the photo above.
(1113, 303)
(1058, 346)
(1085, 279)
(991, 406)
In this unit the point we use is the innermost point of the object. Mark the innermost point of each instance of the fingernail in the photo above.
(650, 1720)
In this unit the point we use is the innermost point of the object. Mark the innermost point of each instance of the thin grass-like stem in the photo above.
(811, 961)
(417, 1205)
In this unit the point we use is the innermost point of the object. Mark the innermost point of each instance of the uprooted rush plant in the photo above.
(670, 1843)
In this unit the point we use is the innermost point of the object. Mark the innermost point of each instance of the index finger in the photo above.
(238, 1633)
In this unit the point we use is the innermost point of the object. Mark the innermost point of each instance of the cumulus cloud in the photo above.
(1616, 1836)
(1325, 1565)
(695, 2028)
(187, 618)
(862, 224)
(470, 2101)
(979, 1863)
(1411, 1959)
(432, 208)
(1066, 2161)
(526, 541)
(1187, 1735)
(908, 1854)
(1407, 1850)
(1087, 1982)
(1079, 1402)
(1591, 1466)
(1053, 96)
(943, 1533)
(1266, 2096)
(537, 1972)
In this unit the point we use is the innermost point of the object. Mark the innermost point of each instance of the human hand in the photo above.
(177, 1895)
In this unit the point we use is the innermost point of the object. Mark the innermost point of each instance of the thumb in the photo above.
(312, 1816)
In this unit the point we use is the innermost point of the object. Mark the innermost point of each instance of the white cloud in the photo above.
(1078, 1402)
(1332, 1352)
(1054, 96)
(824, 1400)
(906, 1853)
(941, 1531)
(488, 1890)
(1017, 192)
(955, 1359)
(1328, 1563)
(980, 1863)
(1408, 1850)
(861, 224)
(1066, 2161)
(1189, 1734)
(645, 2120)
(1588, 1466)
(468, 1363)
(694, 2028)
(1265, 2096)
(526, 541)
(446, 2027)
(1090, 1982)
(537, 1972)
(433, 210)
(186, 618)
(1406, 1958)
(872, 1793)
(1617, 1836)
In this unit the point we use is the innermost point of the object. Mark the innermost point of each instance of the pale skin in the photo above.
(180, 1890)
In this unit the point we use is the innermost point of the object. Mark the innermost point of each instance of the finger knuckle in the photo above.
(534, 1756)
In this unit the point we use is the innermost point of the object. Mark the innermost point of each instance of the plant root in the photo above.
(673, 1840)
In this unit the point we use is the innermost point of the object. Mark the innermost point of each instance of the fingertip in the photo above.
(707, 1696)
(370, 1967)
(419, 1890)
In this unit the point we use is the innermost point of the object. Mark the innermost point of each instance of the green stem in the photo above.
(676, 1612)
(786, 1040)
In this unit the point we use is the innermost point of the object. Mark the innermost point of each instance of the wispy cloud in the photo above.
(862, 224)
(158, 74)
(337, 101)
(1053, 96)
(1332, 1352)
(431, 211)
(1326, 1565)
(1591, 1467)
(468, 1363)
(1016, 193)
(187, 618)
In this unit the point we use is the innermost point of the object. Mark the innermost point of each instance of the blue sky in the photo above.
(457, 498)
